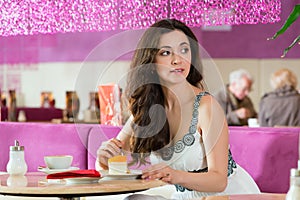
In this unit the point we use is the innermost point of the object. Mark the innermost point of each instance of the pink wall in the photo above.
(243, 41)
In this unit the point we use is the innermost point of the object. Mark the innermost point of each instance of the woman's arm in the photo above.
(213, 127)
(125, 134)
(113, 146)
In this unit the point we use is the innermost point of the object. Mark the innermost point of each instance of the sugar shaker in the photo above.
(294, 190)
(16, 164)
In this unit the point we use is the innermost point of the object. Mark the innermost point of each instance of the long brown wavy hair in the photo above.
(145, 94)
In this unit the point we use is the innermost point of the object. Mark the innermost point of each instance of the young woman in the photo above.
(174, 123)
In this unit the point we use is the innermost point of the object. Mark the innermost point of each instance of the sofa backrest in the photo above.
(102, 133)
(97, 135)
(41, 139)
(267, 154)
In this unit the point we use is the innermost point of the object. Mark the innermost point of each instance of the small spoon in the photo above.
(122, 152)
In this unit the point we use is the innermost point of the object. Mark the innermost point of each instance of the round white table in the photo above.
(35, 184)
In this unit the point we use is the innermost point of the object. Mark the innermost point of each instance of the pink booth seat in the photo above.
(41, 139)
(97, 135)
(267, 154)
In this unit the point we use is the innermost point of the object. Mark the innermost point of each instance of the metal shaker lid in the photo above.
(295, 172)
(17, 147)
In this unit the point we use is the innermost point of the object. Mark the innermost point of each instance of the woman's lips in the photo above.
(177, 70)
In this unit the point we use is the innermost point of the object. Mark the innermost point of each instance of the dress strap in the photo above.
(194, 121)
(198, 98)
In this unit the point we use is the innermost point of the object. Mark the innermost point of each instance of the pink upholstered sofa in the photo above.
(267, 154)
(40, 139)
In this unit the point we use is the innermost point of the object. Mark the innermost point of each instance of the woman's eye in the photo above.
(185, 50)
(165, 53)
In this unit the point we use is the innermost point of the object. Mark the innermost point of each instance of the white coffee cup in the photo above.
(58, 161)
(253, 122)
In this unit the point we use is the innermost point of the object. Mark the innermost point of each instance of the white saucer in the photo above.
(51, 171)
(134, 174)
(82, 180)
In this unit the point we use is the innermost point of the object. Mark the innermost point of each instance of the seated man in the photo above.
(235, 102)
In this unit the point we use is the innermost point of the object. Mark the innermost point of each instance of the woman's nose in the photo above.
(176, 59)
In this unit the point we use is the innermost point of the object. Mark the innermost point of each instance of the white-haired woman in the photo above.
(281, 107)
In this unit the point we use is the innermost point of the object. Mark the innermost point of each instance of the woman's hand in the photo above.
(107, 150)
(160, 171)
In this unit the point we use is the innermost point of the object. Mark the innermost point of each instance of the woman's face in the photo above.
(173, 60)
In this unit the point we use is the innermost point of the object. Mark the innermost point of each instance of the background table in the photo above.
(35, 113)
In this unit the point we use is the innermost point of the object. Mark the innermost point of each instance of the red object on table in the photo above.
(74, 174)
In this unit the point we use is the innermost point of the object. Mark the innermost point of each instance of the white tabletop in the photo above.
(36, 185)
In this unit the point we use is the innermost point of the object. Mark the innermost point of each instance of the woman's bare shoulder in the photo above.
(207, 99)
(209, 105)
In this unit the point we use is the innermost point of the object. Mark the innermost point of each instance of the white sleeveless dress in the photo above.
(188, 154)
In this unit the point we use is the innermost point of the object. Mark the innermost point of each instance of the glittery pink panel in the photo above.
(221, 12)
(29, 17)
(135, 14)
